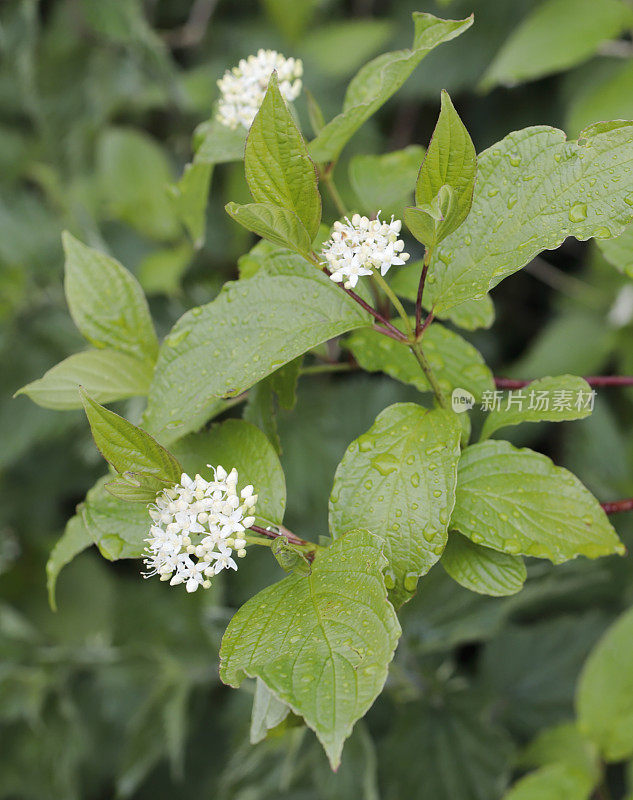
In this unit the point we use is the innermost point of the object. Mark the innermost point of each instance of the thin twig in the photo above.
(617, 506)
(418, 301)
(283, 533)
(593, 380)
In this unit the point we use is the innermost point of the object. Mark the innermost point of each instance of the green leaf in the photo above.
(251, 329)
(554, 782)
(214, 143)
(450, 163)
(133, 174)
(444, 748)
(470, 315)
(604, 694)
(533, 190)
(378, 80)
(557, 35)
(106, 302)
(119, 529)
(518, 502)
(338, 48)
(276, 162)
(290, 557)
(619, 251)
(189, 199)
(126, 447)
(386, 182)
(563, 744)
(268, 712)
(321, 643)
(106, 374)
(547, 400)
(136, 487)
(455, 361)
(73, 541)
(236, 443)
(481, 569)
(161, 271)
(398, 481)
(271, 222)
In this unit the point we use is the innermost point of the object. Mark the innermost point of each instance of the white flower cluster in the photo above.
(201, 520)
(358, 247)
(243, 87)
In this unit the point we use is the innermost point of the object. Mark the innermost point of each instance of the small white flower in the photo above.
(192, 525)
(360, 246)
(243, 87)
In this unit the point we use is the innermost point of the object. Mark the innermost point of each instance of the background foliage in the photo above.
(118, 693)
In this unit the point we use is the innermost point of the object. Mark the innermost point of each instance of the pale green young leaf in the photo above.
(557, 35)
(386, 182)
(290, 557)
(107, 375)
(106, 302)
(276, 162)
(554, 782)
(556, 399)
(251, 329)
(604, 696)
(619, 251)
(321, 643)
(470, 315)
(378, 80)
(533, 190)
(133, 174)
(456, 363)
(450, 164)
(481, 569)
(73, 541)
(278, 225)
(126, 447)
(268, 712)
(161, 271)
(215, 143)
(236, 443)
(398, 481)
(189, 199)
(518, 502)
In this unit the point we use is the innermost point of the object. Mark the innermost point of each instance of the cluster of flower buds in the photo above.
(362, 245)
(196, 526)
(243, 87)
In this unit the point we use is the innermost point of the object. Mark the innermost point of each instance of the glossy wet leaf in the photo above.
(378, 80)
(470, 315)
(107, 375)
(276, 162)
(398, 480)
(321, 643)
(556, 399)
(106, 301)
(534, 189)
(481, 569)
(252, 328)
(455, 361)
(518, 502)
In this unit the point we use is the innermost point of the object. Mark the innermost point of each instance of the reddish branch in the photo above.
(284, 533)
(595, 381)
(618, 506)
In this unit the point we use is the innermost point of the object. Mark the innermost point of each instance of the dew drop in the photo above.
(578, 212)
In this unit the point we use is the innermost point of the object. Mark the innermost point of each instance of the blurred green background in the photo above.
(117, 694)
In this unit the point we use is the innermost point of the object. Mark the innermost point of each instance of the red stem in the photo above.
(617, 506)
(595, 380)
(418, 301)
(286, 534)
